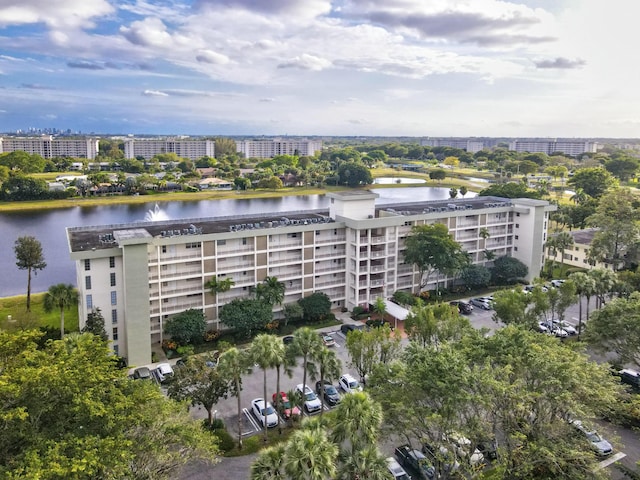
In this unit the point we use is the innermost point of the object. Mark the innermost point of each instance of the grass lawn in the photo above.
(17, 308)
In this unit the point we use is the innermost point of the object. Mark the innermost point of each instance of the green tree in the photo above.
(593, 181)
(269, 464)
(66, 405)
(225, 147)
(316, 306)
(354, 174)
(23, 162)
(507, 270)
(585, 287)
(29, 257)
(246, 315)
(199, 383)
(437, 174)
(272, 183)
(95, 324)
(306, 343)
(325, 365)
(292, 312)
(360, 422)
(617, 221)
(310, 456)
(266, 351)
(187, 327)
(561, 242)
(453, 192)
(19, 187)
(432, 324)
(509, 190)
(463, 191)
(216, 286)
(233, 364)
(431, 248)
(271, 290)
(616, 328)
(369, 348)
(475, 276)
(605, 283)
(511, 307)
(61, 297)
(623, 168)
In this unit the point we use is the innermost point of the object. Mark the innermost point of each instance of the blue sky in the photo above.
(322, 67)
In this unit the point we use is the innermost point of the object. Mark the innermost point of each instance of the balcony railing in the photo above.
(332, 253)
(334, 239)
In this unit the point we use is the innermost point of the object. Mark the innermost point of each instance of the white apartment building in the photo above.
(49, 147)
(568, 147)
(140, 274)
(191, 149)
(278, 146)
(469, 145)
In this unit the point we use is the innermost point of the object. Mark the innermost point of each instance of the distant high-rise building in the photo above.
(277, 146)
(469, 145)
(49, 147)
(548, 146)
(183, 148)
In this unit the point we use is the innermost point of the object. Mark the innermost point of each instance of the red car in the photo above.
(284, 406)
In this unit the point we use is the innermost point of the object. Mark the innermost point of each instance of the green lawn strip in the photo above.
(17, 307)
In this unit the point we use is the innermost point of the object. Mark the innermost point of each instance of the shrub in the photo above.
(211, 335)
(358, 310)
(403, 298)
(226, 443)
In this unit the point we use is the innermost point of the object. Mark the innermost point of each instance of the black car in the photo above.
(328, 392)
(463, 307)
(288, 339)
(489, 448)
(416, 462)
(348, 327)
(630, 377)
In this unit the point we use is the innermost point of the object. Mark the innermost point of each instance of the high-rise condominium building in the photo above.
(467, 144)
(278, 146)
(140, 274)
(191, 149)
(49, 147)
(566, 146)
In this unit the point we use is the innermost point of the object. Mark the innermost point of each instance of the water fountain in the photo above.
(155, 215)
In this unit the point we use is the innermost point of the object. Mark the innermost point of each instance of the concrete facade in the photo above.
(271, 148)
(146, 272)
(49, 147)
(191, 149)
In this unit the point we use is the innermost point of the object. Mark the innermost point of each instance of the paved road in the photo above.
(238, 468)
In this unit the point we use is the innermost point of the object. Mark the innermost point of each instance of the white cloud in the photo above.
(66, 14)
(209, 56)
(155, 93)
(150, 32)
(306, 62)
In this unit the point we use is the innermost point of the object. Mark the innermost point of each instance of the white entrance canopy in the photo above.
(396, 311)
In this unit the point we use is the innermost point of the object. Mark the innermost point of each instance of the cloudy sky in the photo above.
(322, 67)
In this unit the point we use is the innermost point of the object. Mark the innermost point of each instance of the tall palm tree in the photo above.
(367, 463)
(605, 283)
(265, 351)
(306, 343)
(360, 421)
(269, 464)
(562, 241)
(379, 307)
(585, 287)
(271, 290)
(327, 366)
(310, 456)
(233, 364)
(61, 296)
(216, 286)
(552, 251)
(284, 359)
(579, 197)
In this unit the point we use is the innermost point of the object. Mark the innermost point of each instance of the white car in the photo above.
(462, 447)
(529, 288)
(557, 283)
(567, 327)
(397, 472)
(601, 446)
(260, 409)
(163, 372)
(349, 384)
(311, 401)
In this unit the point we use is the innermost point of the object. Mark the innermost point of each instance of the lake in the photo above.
(48, 226)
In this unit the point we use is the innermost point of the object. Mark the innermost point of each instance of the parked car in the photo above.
(415, 461)
(284, 406)
(567, 327)
(163, 372)
(555, 329)
(463, 307)
(441, 458)
(264, 412)
(630, 377)
(601, 446)
(529, 288)
(328, 341)
(349, 384)
(481, 302)
(287, 339)
(328, 392)
(489, 448)
(142, 373)
(311, 401)
(557, 283)
(349, 327)
(462, 447)
(397, 472)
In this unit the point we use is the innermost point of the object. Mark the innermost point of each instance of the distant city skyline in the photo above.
(416, 68)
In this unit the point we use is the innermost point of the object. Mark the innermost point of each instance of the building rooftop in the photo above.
(109, 236)
(584, 237)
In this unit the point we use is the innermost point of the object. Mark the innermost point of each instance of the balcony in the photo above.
(179, 273)
(281, 259)
(285, 244)
(377, 268)
(376, 283)
(378, 254)
(340, 252)
(334, 239)
(330, 268)
(233, 264)
(328, 282)
(378, 239)
(234, 248)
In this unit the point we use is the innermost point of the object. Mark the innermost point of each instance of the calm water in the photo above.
(395, 180)
(48, 227)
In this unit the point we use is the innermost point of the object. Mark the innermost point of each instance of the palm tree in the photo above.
(579, 197)
(284, 359)
(269, 464)
(232, 364)
(327, 364)
(271, 290)
(360, 421)
(605, 283)
(379, 308)
(307, 343)
(310, 456)
(561, 242)
(216, 286)
(463, 191)
(265, 351)
(585, 287)
(484, 233)
(367, 463)
(29, 257)
(61, 296)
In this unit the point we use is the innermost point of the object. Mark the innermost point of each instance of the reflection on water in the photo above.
(48, 226)
(397, 180)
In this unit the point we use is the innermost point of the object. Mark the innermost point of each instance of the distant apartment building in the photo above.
(271, 148)
(183, 148)
(577, 255)
(469, 145)
(549, 146)
(141, 274)
(48, 147)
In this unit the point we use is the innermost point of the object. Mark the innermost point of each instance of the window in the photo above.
(113, 279)
(164, 249)
(222, 242)
(192, 245)
(115, 349)
(244, 241)
(89, 302)
(516, 237)
(87, 282)
(112, 262)
(87, 265)
(114, 298)
(114, 316)
(515, 249)
(517, 214)
(517, 225)
(115, 334)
